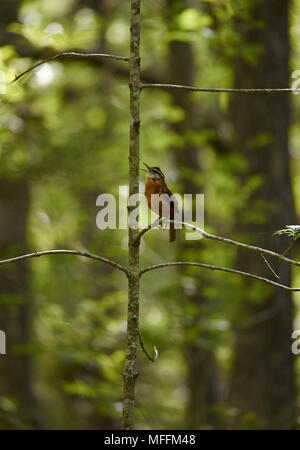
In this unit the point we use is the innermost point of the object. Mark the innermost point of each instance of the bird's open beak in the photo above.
(148, 168)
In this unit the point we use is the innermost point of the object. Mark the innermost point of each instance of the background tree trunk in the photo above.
(201, 366)
(263, 376)
(15, 311)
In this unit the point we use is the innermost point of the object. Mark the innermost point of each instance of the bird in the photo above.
(156, 184)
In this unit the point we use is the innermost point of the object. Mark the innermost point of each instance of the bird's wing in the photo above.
(167, 191)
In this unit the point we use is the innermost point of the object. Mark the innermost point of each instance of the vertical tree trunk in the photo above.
(201, 367)
(262, 377)
(130, 372)
(15, 313)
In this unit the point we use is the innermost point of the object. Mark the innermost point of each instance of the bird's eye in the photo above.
(157, 171)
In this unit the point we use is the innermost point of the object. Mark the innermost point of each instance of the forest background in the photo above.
(224, 343)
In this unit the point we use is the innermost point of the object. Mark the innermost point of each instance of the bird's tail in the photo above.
(172, 233)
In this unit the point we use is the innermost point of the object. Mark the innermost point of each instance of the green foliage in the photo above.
(289, 230)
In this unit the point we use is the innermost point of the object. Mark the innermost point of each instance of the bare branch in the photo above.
(231, 242)
(66, 252)
(68, 55)
(289, 247)
(145, 351)
(260, 317)
(144, 230)
(223, 269)
(238, 244)
(269, 265)
(216, 90)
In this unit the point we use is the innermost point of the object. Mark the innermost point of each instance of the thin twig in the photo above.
(289, 247)
(196, 89)
(260, 317)
(145, 351)
(66, 252)
(231, 242)
(68, 55)
(269, 265)
(223, 269)
(238, 244)
(144, 230)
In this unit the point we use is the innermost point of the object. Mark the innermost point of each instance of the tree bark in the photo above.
(130, 371)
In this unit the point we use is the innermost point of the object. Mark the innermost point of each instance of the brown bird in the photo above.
(155, 184)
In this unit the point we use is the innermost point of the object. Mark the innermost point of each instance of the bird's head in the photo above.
(154, 172)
